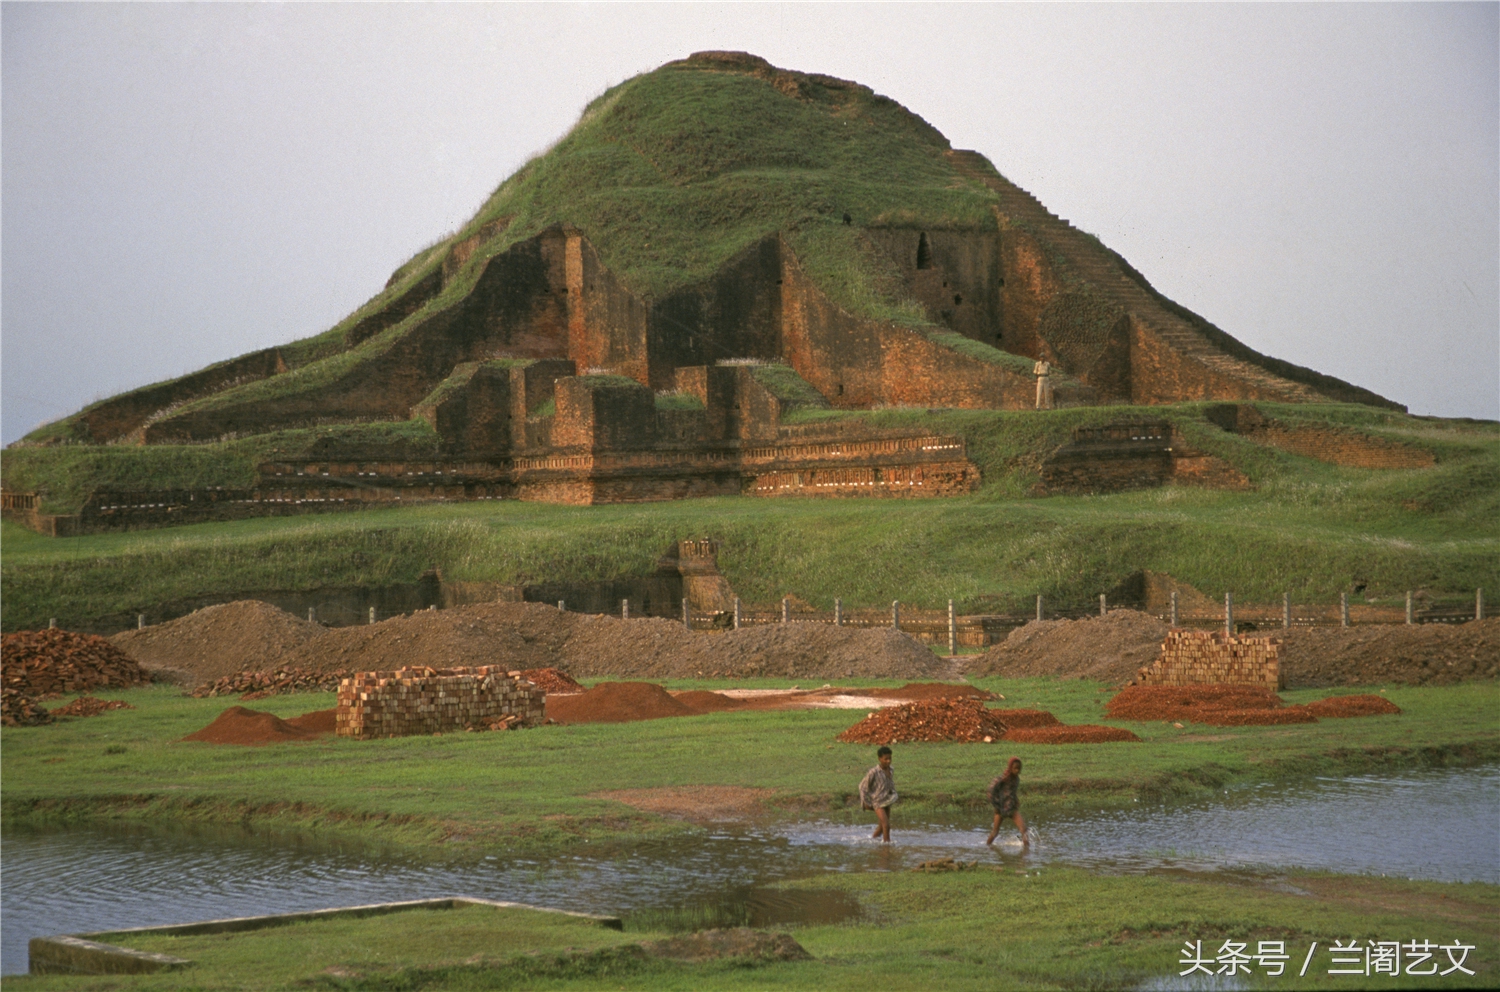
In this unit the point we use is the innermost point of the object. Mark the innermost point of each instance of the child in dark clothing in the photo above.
(1002, 793)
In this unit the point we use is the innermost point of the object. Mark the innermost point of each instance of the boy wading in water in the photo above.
(1002, 793)
(878, 792)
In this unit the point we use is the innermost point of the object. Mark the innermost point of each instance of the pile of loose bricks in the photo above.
(1198, 657)
(437, 700)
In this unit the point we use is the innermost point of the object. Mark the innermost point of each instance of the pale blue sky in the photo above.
(183, 183)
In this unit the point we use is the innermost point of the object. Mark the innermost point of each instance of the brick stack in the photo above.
(436, 700)
(1200, 657)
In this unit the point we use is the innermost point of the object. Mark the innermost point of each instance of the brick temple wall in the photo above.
(1202, 657)
(1347, 448)
(433, 701)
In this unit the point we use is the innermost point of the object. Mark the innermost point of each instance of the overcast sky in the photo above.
(184, 183)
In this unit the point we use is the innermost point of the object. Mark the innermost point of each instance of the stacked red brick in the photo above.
(433, 701)
(1198, 657)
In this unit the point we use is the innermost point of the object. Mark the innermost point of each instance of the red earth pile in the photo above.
(550, 680)
(1345, 706)
(19, 709)
(258, 685)
(965, 720)
(1087, 733)
(616, 702)
(703, 701)
(1215, 705)
(1026, 719)
(91, 706)
(39, 662)
(238, 725)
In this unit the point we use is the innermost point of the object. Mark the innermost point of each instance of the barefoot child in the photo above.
(1002, 793)
(878, 792)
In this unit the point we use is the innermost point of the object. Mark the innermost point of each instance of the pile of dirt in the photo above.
(616, 702)
(1176, 702)
(91, 706)
(253, 636)
(1421, 654)
(1215, 705)
(1211, 704)
(1026, 719)
(1347, 706)
(220, 640)
(238, 725)
(40, 662)
(1087, 733)
(258, 685)
(965, 720)
(20, 709)
(1111, 648)
(551, 681)
(703, 701)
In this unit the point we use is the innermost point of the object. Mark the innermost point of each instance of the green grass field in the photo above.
(470, 794)
(1308, 528)
(462, 795)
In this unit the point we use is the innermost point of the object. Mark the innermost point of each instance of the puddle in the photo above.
(82, 880)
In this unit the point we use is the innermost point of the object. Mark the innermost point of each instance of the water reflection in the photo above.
(1438, 825)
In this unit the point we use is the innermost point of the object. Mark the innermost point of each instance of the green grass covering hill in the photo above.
(1308, 528)
(672, 173)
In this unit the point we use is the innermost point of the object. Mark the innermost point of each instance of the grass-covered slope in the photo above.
(670, 174)
(1309, 528)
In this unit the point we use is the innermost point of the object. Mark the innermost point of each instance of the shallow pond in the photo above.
(1442, 825)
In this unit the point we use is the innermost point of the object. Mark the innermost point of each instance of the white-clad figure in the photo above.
(1043, 373)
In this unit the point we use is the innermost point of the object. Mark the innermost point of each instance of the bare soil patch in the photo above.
(1111, 648)
(253, 636)
(742, 942)
(1346, 706)
(246, 635)
(707, 803)
(1421, 654)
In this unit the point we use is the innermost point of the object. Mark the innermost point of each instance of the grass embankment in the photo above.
(469, 794)
(1311, 529)
(1057, 928)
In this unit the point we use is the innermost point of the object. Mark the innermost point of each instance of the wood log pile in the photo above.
(1203, 657)
(432, 701)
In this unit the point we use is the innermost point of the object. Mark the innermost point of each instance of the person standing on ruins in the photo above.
(877, 791)
(1043, 373)
(1002, 793)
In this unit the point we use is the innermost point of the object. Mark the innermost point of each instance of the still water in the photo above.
(1442, 825)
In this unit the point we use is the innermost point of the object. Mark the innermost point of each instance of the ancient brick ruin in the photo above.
(1199, 657)
(546, 377)
(433, 701)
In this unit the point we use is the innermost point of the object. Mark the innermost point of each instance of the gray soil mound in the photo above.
(207, 644)
(1111, 648)
(1422, 654)
(522, 635)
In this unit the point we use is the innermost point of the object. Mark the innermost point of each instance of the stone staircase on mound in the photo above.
(1095, 264)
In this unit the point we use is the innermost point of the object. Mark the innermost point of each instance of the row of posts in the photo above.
(838, 613)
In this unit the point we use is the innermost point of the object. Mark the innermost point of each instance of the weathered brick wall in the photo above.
(1133, 455)
(433, 701)
(1340, 447)
(598, 412)
(1198, 657)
